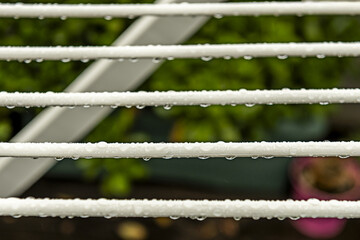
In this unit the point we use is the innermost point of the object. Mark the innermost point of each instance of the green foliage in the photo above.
(188, 123)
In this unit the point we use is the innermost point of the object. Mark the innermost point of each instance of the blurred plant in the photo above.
(187, 123)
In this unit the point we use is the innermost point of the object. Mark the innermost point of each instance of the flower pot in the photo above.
(303, 188)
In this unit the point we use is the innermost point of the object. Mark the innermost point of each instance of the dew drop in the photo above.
(294, 218)
(320, 56)
(140, 106)
(249, 104)
(41, 17)
(344, 156)
(227, 57)
(237, 218)
(230, 158)
(59, 158)
(85, 60)
(206, 58)
(133, 60)
(63, 18)
(156, 60)
(114, 106)
(323, 103)
(174, 217)
(146, 158)
(204, 105)
(10, 107)
(248, 57)
(65, 60)
(39, 60)
(167, 107)
(16, 216)
(203, 157)
(200, 218)
(170, 58)
(282, 57)
(108, 18)
(102, 144)
(218, 16)
(27, 61)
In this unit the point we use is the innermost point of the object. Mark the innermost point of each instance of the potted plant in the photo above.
(324, 179)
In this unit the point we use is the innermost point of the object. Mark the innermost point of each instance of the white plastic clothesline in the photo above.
(181, 98)
(197, 209)
(206, 51)
(109, 11)
(229, 150)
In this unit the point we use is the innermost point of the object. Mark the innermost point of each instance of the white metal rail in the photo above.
(109, 11)
(229, 150)
(197, 209)
(206, 52)
(180, 98)
(186, 208)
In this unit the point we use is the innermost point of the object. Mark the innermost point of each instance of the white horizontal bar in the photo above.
(183, 9)
(181, 98)
(179, 150)
(206, 52)
(198, 209)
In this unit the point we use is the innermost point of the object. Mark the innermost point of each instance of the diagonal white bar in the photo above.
(109, 11)
(146, 151)
(180, 98)
(206, 52)
(197, 209)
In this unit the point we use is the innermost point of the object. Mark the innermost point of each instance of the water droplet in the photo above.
(344, 156)
(39, 60)
(85, 60)
(170, 58)
(294, 218)
(281, 218)
(102, 144)
(167, 107)
(248, 57)
(63, 18)
(133, 60)
(203, 157)
(218, 16)
(268, 157)
(204, 105)
(16, 216)
(227, 57)
(156, 60)
(10, 106)
(320, 56)
(255, 217)
(200, 218)
(108, 18)
(206, 58)
(230, 158)
(75, 158)
(323, 103)
(237, 218)
(27, 61)
(168, 157)
(249, 104)
(114, 106)
(65, 60)
(282, 57)
(59, 158)
(174, 217)
(128, 106)
(86, 106)
(41, 17)
(140, 106)
(146, 158)
(254, 157)
(131, 17)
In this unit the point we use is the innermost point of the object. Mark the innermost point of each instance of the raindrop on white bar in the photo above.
(181, 98)
(321, 50)
(182, 9)
(180, 150)
(197, 209)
